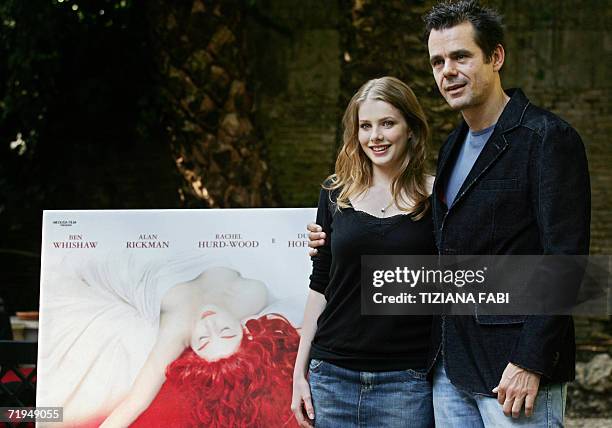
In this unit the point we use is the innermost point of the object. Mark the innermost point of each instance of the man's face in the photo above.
(463, 77)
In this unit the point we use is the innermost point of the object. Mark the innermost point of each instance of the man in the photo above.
(511, 179)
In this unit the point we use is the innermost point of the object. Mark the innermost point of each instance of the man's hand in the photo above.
(301, 403)
(316, 238)
(517, 387)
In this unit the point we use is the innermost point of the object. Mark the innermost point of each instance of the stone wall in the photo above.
(295, 59)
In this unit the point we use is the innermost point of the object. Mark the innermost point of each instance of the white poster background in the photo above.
(100, 292)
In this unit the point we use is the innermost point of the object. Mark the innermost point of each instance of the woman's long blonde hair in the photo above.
(353, 172)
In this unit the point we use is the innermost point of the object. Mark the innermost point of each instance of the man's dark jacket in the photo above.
(528, 193)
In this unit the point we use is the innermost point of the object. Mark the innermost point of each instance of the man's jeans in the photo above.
(454, 407)
(344, 398)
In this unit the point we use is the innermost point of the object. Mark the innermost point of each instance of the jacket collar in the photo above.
(513, 113)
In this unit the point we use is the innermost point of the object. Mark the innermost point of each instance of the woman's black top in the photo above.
(345, 337)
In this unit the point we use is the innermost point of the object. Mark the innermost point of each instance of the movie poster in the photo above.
(171, 317)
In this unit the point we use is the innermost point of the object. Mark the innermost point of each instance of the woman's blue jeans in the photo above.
(349, 398)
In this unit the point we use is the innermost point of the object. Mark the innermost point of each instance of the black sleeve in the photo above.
(563, 208)
(321, 262)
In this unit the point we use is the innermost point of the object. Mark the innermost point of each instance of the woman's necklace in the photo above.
(384, 209)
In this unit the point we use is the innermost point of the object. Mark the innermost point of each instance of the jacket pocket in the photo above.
(499, 184)
(500, 319)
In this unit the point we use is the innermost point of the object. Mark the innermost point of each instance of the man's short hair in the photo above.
(487, 22)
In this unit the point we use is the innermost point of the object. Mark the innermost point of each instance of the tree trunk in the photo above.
(207, 104)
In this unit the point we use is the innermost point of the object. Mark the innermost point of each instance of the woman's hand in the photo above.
(110, 423)
(301, 403)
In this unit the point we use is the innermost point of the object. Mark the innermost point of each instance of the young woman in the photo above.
(368, 370)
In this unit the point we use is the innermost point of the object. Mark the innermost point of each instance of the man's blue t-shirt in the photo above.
(470, 150)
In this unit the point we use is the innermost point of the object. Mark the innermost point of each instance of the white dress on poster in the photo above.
(101, 319)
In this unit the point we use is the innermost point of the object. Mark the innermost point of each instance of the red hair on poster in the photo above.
(251, 388)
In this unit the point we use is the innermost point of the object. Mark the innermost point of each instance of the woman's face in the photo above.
(216, 334)
(383, 133)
